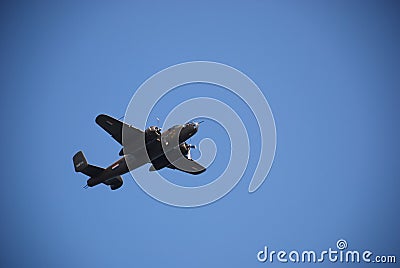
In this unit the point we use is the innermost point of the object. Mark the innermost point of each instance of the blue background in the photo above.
(329, 69)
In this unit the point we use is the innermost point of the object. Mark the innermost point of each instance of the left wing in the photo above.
(188, 166)
(114, 127)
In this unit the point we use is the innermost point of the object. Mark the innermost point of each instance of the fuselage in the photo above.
(157, 145)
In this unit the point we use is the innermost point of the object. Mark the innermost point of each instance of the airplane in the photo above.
(167, 149)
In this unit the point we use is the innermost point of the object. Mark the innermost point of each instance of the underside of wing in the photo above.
(134, 137)
(188, 166)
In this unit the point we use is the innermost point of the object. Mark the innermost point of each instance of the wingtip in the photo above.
(99, 117)
(199, 172)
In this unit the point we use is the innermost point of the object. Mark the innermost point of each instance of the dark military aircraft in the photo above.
(168, 149)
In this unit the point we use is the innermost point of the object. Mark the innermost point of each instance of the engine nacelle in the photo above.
(184, 147)
(152, 133)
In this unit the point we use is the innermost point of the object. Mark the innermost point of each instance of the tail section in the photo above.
(81, 165)
(80, 162)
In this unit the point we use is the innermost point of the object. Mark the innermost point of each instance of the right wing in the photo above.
(112, 126)
(188, 166)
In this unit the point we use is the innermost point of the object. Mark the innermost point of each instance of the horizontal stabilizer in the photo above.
(114, 183)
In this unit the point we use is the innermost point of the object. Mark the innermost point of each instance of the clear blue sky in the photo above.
(329, 69)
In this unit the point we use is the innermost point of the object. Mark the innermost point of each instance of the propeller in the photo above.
(189, 147)
(196, 124)
(158, 123)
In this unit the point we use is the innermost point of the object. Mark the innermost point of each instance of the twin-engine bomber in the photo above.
(167, 149)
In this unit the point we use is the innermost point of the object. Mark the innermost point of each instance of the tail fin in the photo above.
(81, 165)
(80, 162)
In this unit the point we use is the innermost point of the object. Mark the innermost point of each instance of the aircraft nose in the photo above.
(192, 128)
